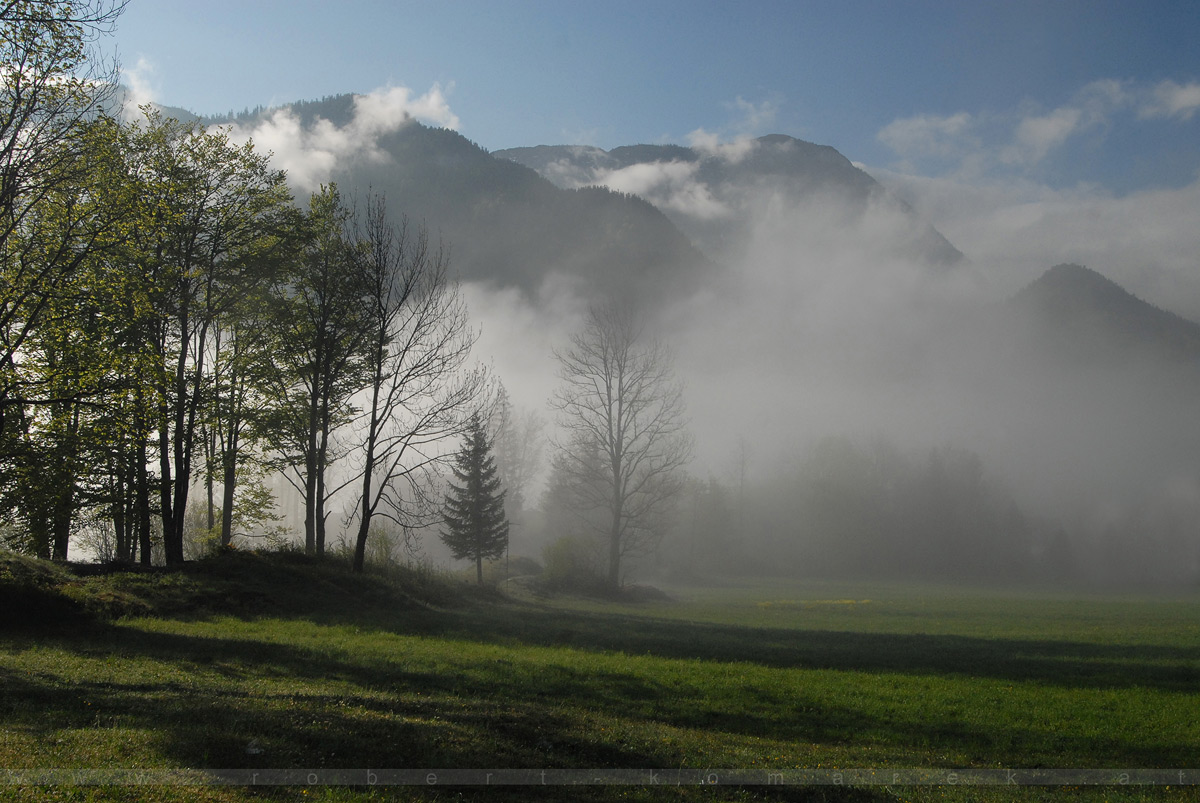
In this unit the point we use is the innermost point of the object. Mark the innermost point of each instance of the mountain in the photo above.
(503, 223)
(650, 220)
(718, 195)
(1072, 313)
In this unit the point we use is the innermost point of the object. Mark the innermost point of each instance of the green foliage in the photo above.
(476, 527)
(316, 361)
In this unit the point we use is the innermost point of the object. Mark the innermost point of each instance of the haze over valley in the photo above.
(956, 341)
(808, 304)
(658, 401)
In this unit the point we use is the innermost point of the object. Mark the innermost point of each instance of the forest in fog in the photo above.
(277, 328)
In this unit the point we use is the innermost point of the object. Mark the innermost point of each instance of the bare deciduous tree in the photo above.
(618, 393)
(419, 395)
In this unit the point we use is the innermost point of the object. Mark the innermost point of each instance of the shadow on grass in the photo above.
(1058, 663)
(223, 705)
(358, 715)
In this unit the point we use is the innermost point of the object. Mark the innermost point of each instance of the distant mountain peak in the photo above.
(711, 195)
(1074, 312)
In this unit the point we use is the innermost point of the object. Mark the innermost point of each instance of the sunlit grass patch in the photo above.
(810, 603)
(902, 679)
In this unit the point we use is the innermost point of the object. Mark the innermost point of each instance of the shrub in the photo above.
(570, 564)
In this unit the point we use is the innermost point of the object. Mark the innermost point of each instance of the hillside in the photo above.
(36, 593)
(717, 196)
(1072, 313)
(646, 220)
(504, 223)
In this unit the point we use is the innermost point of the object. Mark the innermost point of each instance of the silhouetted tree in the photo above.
(619, 397)
(417, 390)
(476, 526)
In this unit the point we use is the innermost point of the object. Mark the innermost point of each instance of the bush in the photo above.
(570, 564)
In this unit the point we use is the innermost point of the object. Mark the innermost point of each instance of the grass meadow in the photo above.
(284, 662)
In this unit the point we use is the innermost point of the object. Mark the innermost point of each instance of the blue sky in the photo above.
(1062, 93)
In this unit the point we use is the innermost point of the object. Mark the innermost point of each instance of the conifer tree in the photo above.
(476, 527)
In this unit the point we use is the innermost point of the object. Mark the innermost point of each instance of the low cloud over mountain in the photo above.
(717, 193)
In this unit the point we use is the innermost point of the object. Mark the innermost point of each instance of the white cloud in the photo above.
(388, 109)
(138, 84)
(669, 185)
(750, 121)
(1015, 140)
(924, 135)
(1037, 136)
(709, 144)
(311, 155)
(1169, 99)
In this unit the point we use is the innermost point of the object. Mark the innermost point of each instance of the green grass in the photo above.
(285, 662)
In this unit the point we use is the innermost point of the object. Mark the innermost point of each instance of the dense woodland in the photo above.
(173, 322)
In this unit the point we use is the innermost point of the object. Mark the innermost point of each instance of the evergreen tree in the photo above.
(476, 527)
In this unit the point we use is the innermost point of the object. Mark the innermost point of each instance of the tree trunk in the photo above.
(360, 543)
(310, 502)
(143, 503)
(166, 512)
(210, 452)
(614, 551)
(120, 505)
(62, 520)
(322, 458)
(364, 525)
(229, 481)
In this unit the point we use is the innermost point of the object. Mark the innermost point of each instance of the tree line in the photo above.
(169, 317)
(171, 320)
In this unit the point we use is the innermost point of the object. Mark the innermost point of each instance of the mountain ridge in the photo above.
(505, 224)
(1072, 312)
(796, 170)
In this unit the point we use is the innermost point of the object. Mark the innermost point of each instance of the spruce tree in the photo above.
(476, 527)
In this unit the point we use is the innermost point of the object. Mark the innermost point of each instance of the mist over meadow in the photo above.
(869, 394)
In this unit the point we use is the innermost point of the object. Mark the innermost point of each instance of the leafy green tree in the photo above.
(50, 94)
(317, 331)
(476, 527)
(59, 381)
(208, 221)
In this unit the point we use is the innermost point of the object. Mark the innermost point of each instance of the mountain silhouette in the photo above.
(1075, 314)
(504, 224)
(740, 180)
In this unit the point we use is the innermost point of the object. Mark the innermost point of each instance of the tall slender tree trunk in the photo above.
(119, 510)
(142, 491)
(364, 524)
(614, 530)
(165, 496)
(310, 499)
(210, 453)
(229, 486)
(614, 550)
(322, 460)
(310, 468)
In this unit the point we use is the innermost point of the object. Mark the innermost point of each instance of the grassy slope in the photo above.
(315, 667)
